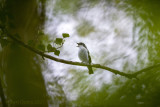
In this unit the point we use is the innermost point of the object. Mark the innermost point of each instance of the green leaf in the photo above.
(54, 49)
(57, 52)
(65, 35)
(4, 42)
(50, 48)
(41, 47)
(59, 41)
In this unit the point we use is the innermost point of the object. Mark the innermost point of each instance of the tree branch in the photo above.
(134, 75)
(145, 69)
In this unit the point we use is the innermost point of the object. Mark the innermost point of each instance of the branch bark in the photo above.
(133, 75)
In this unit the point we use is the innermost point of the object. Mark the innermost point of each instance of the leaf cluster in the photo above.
(49, 47)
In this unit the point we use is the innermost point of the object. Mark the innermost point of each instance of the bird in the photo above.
(84, 56)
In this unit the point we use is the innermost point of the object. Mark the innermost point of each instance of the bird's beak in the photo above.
(77, 45)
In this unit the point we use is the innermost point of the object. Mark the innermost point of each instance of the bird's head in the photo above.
(80, 44)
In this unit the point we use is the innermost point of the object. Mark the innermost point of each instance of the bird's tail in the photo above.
(90, 69)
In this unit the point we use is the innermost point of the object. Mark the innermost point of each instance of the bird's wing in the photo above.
(90, 60)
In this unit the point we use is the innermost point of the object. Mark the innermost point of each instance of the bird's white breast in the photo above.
(83, 54)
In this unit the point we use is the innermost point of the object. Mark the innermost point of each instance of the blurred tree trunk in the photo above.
(23, 74)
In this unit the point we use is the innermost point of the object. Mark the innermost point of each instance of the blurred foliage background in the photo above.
(121, 34)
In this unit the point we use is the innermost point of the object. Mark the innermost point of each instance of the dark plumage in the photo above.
(80, 43)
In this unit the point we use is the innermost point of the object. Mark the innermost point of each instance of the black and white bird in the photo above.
(84, 56)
